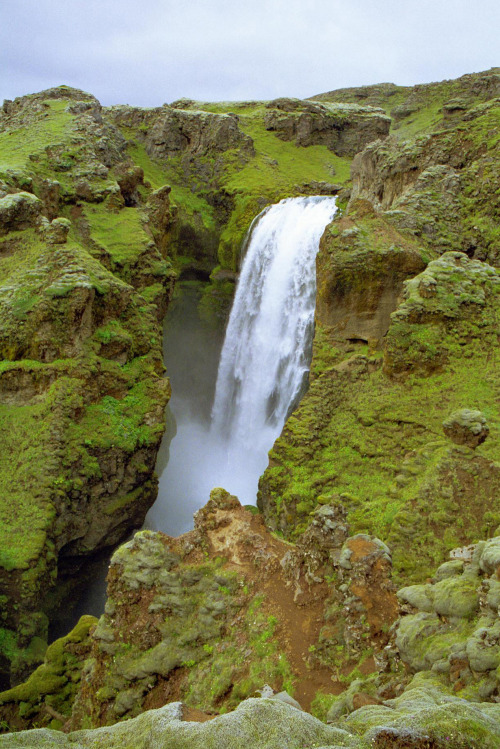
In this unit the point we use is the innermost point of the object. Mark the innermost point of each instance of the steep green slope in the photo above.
(82, 390)
(393, 360)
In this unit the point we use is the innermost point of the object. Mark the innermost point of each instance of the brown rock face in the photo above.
(176, 131)
(359, 287)
(371, 602)
(344, 129)
(129, 178)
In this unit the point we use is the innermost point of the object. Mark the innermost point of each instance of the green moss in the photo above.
(321, 705)
(120, 502)
(169, 173)
(56, 681)
(378, 445)
(280, 165)
(17, 146)
(120, 233)
(120, 422)
(27, 509)
(238, 667)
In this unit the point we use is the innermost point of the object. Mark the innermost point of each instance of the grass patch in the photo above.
(121, 234)
(52, 128)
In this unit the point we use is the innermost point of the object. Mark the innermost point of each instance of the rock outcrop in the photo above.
(214, 615)
(437, 679)
(343, 128)
(425, 106)
(406, 327)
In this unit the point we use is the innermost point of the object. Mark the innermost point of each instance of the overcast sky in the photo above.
(147, 52)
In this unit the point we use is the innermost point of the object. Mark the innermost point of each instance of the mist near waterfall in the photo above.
(254, 381)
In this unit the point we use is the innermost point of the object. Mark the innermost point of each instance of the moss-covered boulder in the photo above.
(19, 211)
(466, 427)
(455, 632)
(269, 724)
(427, 716)
(453, 304)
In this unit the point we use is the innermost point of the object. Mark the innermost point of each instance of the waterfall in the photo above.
(262, 370)
(266, 354)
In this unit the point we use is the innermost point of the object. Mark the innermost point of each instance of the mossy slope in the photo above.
(392, 360)
(82, 390)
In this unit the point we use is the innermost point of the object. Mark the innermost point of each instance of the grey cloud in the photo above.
(213, 49)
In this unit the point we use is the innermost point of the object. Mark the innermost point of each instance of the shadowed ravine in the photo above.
(262, 372)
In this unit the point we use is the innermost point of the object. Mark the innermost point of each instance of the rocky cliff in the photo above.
(206, 622)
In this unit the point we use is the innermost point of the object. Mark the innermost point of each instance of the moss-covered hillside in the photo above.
(407, 334)
(100, 210)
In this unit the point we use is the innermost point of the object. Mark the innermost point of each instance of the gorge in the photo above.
(366, 581)
(263, 369)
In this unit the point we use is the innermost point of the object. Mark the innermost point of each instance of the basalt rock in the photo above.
(452, 99)
(406, 326)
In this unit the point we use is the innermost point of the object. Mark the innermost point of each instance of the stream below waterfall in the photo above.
(262, 373)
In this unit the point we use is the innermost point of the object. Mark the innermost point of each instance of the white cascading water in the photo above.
(263, 366)
(266, 353)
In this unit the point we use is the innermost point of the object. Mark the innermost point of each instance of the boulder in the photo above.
(466, 427)
(20, 210)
